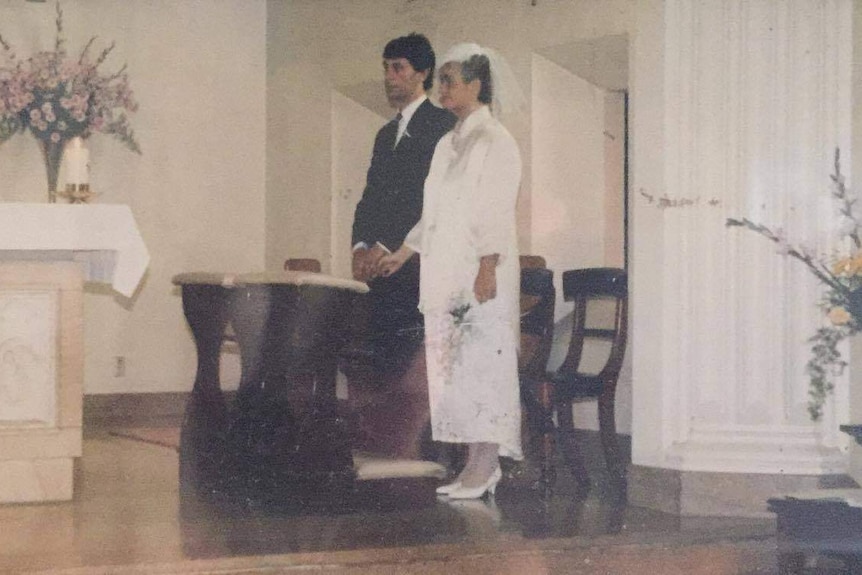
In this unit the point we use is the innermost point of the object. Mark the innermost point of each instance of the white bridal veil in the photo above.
(508, 98)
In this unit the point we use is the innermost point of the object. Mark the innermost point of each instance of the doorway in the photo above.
(579, 183)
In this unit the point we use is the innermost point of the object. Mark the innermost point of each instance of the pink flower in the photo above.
(73, 97)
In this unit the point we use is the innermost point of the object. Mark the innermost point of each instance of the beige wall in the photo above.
(198, 70)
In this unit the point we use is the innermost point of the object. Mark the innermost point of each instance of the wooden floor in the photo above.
(127, 518)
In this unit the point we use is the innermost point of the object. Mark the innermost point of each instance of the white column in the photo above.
(739, 105)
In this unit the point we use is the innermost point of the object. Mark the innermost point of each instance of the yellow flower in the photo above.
(838, 315)
(848, 266)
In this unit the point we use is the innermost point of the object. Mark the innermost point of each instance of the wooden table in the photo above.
(283, 441)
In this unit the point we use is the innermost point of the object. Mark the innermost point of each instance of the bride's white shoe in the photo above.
(448, 488)
(477, 492)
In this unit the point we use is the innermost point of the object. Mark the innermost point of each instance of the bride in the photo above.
(469, 286)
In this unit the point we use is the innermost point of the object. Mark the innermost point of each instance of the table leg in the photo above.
(205, 308)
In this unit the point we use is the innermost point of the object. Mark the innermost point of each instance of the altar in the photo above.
(282, 443)
(47, 252)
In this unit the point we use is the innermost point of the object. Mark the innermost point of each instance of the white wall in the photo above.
(568, 178)
(646, 265)
(198, 71)
(615, 149)
(313, 46)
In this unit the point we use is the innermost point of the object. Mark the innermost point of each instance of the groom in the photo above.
(393, 408)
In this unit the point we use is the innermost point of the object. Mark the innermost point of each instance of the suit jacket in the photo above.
(391, 203)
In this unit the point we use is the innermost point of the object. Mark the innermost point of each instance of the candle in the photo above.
(76, 160)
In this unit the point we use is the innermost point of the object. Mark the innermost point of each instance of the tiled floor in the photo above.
(127, 514)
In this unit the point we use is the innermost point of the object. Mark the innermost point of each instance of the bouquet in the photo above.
(447, 333)
(842, 300)
(57, 97)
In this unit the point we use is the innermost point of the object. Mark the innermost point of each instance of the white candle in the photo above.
(76, 160)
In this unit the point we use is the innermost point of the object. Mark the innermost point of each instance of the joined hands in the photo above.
(376, 262)
(389, 264)
(366, 262)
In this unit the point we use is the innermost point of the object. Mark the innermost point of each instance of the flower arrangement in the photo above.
(842, 301)
(57, 97)
(446, 335)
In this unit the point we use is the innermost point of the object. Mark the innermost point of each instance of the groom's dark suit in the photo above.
(391, 403)
(391, 205)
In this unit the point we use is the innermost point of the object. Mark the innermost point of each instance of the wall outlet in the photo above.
(120, 366)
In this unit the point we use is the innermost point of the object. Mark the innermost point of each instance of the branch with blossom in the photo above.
(801, 253)
(842, 301)
(57, 97)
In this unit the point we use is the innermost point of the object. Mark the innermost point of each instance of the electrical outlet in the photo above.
(120, 366)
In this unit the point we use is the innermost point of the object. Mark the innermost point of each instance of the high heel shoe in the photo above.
(448, 488)
(477, 492)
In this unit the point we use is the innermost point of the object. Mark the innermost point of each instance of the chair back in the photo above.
(537, 316)
(590, 286)
(532, 262)
(302, 265)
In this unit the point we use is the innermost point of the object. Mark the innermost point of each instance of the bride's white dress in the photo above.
(469, 212)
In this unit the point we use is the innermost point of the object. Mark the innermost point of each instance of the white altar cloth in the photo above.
(104, 238)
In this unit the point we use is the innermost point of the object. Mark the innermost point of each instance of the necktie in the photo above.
(399, 132)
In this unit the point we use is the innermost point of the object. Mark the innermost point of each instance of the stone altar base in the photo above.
(41, 379)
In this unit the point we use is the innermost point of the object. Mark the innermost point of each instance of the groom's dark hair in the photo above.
(416, 49)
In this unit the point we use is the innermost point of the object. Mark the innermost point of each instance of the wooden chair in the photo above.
(537, 332)
(537, 315)
(569, 384)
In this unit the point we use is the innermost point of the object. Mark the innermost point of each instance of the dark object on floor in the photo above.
(819, 528)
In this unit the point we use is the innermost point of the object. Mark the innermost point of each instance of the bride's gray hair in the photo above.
(500, 88)
(478, 67)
